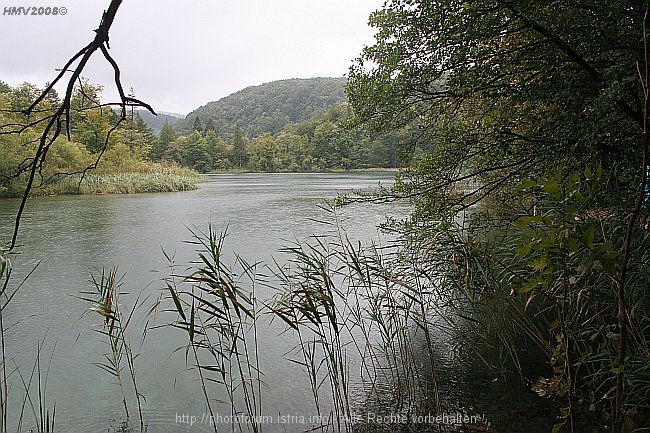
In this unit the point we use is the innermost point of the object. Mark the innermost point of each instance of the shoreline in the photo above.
(147, 182)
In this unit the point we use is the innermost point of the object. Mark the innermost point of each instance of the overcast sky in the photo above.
(179, 55)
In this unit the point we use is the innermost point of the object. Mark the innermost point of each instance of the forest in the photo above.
(282, 126)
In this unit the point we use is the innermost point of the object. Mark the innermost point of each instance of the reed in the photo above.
(159, 178)
(216, 306)
(42, 417)
(348, 302)
(125, 183)
(105, 301)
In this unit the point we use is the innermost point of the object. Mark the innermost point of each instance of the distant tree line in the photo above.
(324, 142)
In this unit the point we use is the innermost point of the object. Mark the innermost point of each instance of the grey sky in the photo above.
(178, 55)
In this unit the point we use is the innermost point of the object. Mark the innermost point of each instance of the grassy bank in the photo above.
(146, 178)
(126, 183)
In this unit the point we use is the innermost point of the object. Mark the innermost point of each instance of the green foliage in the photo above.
(162, 142)
(502, 90)
(124, 149)
(266, 108)
(559, 265)
(324, 142)
(284, 126)
(530, 114)
(196, 126)
(137, 135)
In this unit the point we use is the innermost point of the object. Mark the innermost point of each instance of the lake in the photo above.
(73, 237)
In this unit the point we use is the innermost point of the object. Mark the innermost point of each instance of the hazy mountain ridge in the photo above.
(156, 122)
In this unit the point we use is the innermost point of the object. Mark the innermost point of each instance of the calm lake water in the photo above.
(74, 236)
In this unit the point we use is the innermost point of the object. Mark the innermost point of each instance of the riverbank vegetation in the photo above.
(102, 155)
(537, 116)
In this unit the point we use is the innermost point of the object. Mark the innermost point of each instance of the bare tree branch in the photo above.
(53, 124)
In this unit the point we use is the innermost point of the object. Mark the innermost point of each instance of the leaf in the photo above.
(552, 187)
(557, 427)
(177, 302)
(530, 285)
(540, 264)
(590, 236)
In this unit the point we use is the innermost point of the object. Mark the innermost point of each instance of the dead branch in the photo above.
(55, 123)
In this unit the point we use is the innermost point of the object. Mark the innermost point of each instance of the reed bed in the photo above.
(218, 310)
(126, 183)
(140, 178)
(362, 325)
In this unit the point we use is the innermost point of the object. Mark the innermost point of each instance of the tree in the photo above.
(209, 126)
(196, 126)
(264, 154)
(494, 85)
(92, 128)
(239, 154)
(52, 97)
(137, 135)
(23, 96)
(520, 103)
(219, 151)
(195, 152)
(165, 138)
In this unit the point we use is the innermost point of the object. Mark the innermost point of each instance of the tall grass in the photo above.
(218, 309)
(105, 301)
(364, 320)
(346, 302)
(43, 418)
(124, 183)
(141, 178)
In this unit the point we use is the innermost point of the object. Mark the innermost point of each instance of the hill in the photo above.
(268, 107)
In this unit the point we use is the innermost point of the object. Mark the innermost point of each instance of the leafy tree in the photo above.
(195, 152)
(91, 127)
(494, 86)
(218, 150)
(52, 97)
(516, 103)
(4, 87)
(264, 154)
(23, 95)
